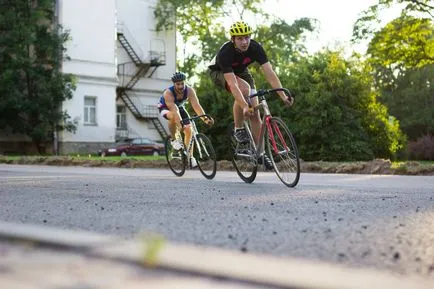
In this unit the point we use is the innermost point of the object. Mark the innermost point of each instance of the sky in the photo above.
(336, 19)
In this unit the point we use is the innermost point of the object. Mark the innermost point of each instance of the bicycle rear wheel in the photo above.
(243, 158)
(175, 158)
(204, 153)
(283, 152)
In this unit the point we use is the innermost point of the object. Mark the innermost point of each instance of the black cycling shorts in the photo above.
(218, 78)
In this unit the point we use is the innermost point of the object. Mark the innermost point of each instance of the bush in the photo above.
(422, 148)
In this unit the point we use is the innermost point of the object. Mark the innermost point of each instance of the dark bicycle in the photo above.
(280, 146)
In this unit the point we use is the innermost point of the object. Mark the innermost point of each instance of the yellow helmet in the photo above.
(240, 28)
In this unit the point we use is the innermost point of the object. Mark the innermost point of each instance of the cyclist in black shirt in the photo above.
(229, 69)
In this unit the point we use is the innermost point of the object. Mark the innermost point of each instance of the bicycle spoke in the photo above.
(243, 158)
(176, 159)
(205, 156)
(283, 152)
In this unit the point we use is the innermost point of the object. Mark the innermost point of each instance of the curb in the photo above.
(178, 266)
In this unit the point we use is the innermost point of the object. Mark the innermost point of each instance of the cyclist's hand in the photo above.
(209, 120)
(288, 100)
(247, 111)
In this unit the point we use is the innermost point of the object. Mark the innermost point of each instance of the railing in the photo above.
(146, 111)
(125, 133)
(127, 69)
(150, 111)
(123, 29)
(157, 58)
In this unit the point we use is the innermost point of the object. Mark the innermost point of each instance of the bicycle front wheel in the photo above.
(283, 152)
(243, 158)
(204, 153)
(176, 159)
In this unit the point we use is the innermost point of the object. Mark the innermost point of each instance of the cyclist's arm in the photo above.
(273, 80)
(173, 108)
(194, 101)
(232, 83)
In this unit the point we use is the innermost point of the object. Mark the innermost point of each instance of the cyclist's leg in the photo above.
(173, 122)
(187, 126)
(255, 120)
(237, 110)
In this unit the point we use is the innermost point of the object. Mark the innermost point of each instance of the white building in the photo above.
(122, 65)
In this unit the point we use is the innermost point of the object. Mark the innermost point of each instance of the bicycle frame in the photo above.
(265, 124)
(194, 141)
(275, 138)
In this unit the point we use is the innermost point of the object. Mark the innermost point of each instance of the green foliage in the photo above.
(195, 22)
(402, 58)
(411, 101)
(336, 115)
(365, 25)
(200, 26)
(32, 88)
(405, 42)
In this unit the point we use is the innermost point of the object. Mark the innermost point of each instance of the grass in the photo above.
(400, 164)
(378, 166)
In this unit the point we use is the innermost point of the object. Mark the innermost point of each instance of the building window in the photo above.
(90, 110)
(121, 117)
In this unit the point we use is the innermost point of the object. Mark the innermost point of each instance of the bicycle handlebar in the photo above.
(195, 117)
(262, 92)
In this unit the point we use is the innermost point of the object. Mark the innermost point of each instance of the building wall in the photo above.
(92, 52)
(104, 129)
(92, 29)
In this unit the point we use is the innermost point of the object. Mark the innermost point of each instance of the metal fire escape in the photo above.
(132, 72)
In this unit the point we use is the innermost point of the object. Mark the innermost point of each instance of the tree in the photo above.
(406, 42)
(199, 25)
(32, 87)
(337, 116)
(402, 57)
(411, 100)
(364, 26)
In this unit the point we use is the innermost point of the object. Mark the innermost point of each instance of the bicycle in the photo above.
(275, 137)
(200, 147)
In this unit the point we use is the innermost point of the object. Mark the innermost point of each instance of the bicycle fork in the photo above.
(270, 130)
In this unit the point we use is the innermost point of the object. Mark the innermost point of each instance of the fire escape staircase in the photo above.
(140, 111)
(132, 72)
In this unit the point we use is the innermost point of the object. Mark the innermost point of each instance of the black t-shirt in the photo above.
(230, 59)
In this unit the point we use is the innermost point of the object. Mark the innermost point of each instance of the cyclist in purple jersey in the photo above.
(229, 69)
(171, 107)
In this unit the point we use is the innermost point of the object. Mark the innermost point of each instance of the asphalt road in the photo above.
(377, 221)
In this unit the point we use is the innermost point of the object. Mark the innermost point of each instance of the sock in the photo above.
(238, 128)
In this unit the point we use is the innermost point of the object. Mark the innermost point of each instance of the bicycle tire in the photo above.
(283, 152)
(243, 158)
(176, 164)
(205, 155)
